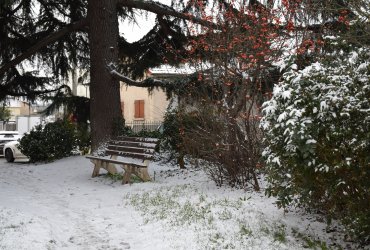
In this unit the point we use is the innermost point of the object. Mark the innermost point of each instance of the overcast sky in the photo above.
(133, 32)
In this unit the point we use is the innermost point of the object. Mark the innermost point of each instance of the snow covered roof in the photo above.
(14, 103)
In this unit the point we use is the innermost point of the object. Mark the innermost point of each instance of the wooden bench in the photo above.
(135, 155)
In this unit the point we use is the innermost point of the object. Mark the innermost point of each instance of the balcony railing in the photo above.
(138, 126)
(8, 126)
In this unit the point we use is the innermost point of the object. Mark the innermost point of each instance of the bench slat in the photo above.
(137, 139)
(115, 161)
(134, 144)
(129, 154)
(131, 149)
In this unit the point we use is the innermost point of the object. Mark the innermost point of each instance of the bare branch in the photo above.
(162, 9)
(149, 82)
(42, 43)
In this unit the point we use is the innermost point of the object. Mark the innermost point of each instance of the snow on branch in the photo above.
(149, 82)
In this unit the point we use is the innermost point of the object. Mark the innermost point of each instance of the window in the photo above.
(139, 109)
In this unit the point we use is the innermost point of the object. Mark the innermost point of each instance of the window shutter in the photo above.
(139, 108)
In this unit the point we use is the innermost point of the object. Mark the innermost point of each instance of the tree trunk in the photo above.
(104, 90)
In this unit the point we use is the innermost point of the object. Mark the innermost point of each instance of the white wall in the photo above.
(26, 123)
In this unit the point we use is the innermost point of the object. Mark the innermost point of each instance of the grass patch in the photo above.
(119, 177)
(225, 214)
(308, 242)
(12, 226)
(169, 204)
(245, 231)
(265, 230)
(114, 177)
(217, 223)
(280, 234)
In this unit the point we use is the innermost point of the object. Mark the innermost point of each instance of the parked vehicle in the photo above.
(11, 152)
(7, 136)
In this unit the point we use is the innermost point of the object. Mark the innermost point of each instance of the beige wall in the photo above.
(21, 108)
(14, 112)
(155, 104)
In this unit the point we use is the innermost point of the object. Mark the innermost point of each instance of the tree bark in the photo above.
(104, 89)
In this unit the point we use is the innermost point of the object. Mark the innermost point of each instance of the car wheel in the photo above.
(9, 155)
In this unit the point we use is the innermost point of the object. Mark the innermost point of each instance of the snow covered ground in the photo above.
(59, 206)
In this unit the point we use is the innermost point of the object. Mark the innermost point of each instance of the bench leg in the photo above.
(96, 168)
(110, 167)
(143, 174)
(127, 176)
(100, 164)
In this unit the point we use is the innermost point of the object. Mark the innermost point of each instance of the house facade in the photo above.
(141, 106)
(137, 104)
(18, 108)
(23, 116)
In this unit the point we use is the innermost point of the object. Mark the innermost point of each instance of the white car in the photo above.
(11, 152)
(7, 136)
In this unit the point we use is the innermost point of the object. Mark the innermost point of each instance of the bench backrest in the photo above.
(133, 147)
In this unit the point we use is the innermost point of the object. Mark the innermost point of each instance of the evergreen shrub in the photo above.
(317, 135)
(83, 137)
(54, 141)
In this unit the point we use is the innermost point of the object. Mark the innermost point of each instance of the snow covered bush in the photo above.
(317, 135)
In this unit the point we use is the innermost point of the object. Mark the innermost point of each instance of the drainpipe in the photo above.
(29, 117)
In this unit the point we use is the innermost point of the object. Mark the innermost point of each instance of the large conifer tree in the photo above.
(59, 35)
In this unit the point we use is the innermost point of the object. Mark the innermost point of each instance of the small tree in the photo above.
(4, 113)
(233, 63)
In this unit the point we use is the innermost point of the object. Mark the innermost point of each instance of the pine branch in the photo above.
(32, 93)
(162, 9)
(42, 43)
